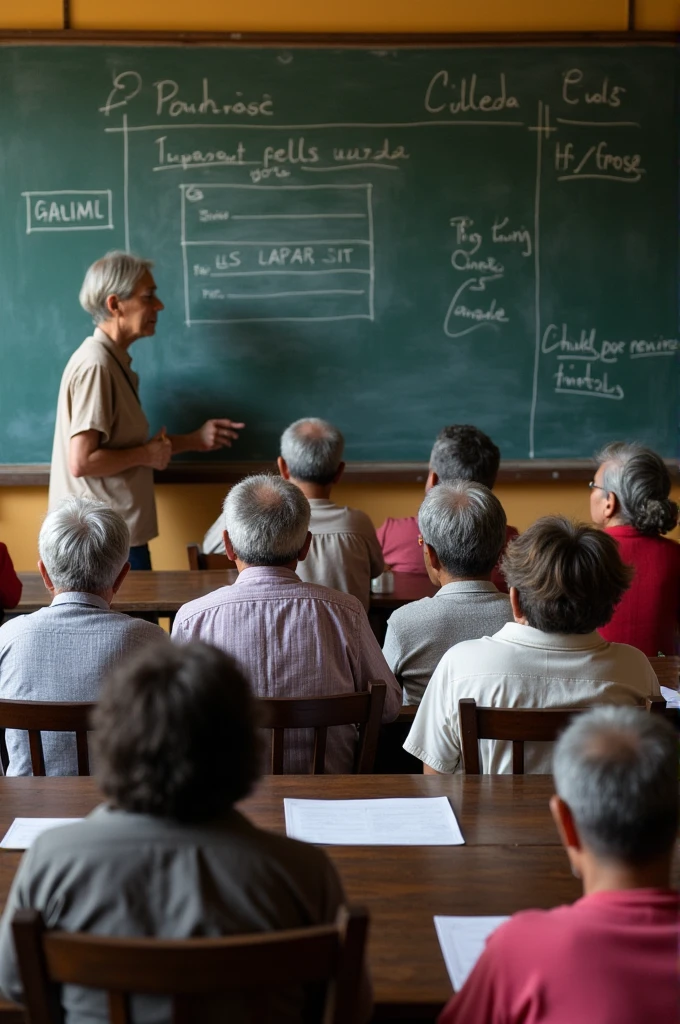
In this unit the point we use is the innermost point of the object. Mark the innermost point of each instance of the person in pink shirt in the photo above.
(611, 957)
(630, 499)
(10, 584)
(460, 452)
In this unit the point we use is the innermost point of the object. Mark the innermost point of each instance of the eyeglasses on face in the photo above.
(596, 487)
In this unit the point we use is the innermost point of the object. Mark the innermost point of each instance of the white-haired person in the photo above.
(630, 499)
(291, 638)
(64, 651)
(102, 447)
(613, 955)
(344, 553)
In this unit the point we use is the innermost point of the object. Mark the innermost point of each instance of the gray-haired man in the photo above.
(344, 552)
(64, 651)
(463, 529)
(612, 955)
(292, 639)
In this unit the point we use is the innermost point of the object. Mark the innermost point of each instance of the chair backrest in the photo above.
(667, 670)
(321, 713)
(517, 725)
(36, 716)
(198, 560)
(253, 965)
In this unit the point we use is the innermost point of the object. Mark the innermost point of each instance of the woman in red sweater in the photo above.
(10, 584)
(629, 497)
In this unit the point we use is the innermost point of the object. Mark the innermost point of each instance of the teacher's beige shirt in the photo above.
(99, 391)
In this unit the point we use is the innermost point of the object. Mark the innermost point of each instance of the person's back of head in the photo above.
(465, 525)
(175, 734)
(616, 769)
(640, 480)
(568, 577)
(464, 452)
(312, 450)
(83, 545)
(267, 520)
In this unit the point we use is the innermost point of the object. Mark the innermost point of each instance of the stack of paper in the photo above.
(426, 821)
(462, 940)
(23, 831)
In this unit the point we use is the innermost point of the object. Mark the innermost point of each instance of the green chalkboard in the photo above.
(393, 239)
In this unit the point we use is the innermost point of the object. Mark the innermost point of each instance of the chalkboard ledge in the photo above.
(517, 471)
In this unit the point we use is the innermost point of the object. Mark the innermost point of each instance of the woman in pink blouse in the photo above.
(629, 498)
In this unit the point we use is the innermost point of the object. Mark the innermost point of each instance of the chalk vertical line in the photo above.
(126, 212)
(371, 290)
(28, 214)
(185, 265)
(537, 280)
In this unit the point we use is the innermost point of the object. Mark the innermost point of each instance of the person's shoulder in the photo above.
(139, 629)
(88, 355)
(630, 659)
(415, 613)
(403, 525)
(356, 521)
(335, 599)
(15, 627)
(209, 602)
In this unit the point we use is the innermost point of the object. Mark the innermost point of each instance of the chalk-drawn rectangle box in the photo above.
(69, 210)
(277, 252)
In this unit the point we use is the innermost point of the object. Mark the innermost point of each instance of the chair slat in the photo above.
(319, 757)
(37, 716)
(37, 755)
(518, 757)
(119, 1008)
(277, 751)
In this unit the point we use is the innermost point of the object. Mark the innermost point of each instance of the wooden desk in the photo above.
(164, 593)
(512, 860)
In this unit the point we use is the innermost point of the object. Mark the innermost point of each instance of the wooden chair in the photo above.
(391, 758)
(516, 725)
(667, 670)
(658, 706)
(36, 716)
(197, 560)
(320, 713)
(330, 956)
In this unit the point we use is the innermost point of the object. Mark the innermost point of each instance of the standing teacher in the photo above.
(101, 438)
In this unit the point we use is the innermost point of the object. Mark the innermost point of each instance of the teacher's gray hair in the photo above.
(84, 545)
(267, 519)
(117, 273)
(617, 770)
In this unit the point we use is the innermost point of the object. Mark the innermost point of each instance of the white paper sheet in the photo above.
(411, 821)
(23, 831)
(462, 940)
(672, 697)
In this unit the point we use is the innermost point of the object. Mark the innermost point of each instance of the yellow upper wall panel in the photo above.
(353, 15)
(657, 15)
(31, 14)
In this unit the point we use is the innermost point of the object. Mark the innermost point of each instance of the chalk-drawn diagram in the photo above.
(268, 253)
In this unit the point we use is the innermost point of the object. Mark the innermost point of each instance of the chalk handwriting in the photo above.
(492, 315)
(468, 98)
(126, 86)
(598, 162)
(501, 235)
(586, 383)
(167, 102)
(586, 346)
(605, 94)
(464, 236)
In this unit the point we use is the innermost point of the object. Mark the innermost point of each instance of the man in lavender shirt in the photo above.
(292, 639)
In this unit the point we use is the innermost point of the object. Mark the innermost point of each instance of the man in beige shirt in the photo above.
(101, 439)
(344, 553)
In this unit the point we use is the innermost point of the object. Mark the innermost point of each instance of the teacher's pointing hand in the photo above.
(216, 434)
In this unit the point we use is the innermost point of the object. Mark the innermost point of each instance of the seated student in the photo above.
(463, 531)
(293, 639)
(10, 584)
(344, 553)
(564, 579)
(64, 651)
(460, 452)
(629, 498)
(613, 955)
(168, 855)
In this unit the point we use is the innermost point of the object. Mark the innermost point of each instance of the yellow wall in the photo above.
(186, 511)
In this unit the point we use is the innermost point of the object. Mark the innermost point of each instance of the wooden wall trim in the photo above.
(519, 471)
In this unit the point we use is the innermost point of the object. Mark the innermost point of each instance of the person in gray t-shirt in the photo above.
(463, 531)
(168, 856)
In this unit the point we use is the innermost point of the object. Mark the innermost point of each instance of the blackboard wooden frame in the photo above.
(513, 471)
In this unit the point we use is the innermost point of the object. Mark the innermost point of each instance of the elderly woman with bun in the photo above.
(102, 448)
(629, 498)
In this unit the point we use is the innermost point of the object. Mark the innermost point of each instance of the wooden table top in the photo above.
(512, 860)
(164, 593)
